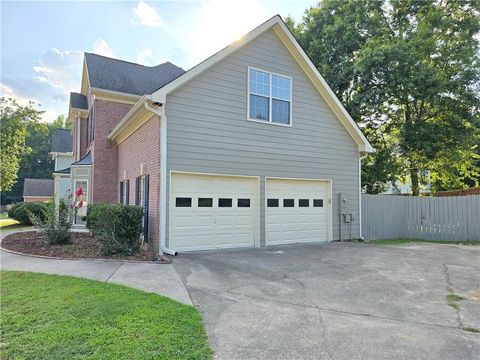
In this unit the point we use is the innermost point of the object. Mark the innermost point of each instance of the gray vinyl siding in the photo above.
(208, 131)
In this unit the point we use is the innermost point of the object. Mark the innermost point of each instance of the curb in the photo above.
(152, 262)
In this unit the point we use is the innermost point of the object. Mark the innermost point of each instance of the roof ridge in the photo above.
(131, 62)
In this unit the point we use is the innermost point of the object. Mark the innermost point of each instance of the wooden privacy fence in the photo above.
(430, 218)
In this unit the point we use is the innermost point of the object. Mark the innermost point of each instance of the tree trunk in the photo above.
(414, 180)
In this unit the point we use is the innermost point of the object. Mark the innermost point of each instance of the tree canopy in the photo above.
(14, 120)
(408, 73)
(26, 144)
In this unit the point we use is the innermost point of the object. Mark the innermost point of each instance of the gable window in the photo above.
(269, 97)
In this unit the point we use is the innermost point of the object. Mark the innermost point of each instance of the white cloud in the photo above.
(8, 92)
(49, 114)
(144, 55)
(59, 69)
(221, 22)
(101, 47)
(147, 15)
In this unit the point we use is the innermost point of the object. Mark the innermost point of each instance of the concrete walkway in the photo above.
(152, 277)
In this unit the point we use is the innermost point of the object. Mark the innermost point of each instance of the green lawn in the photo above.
(4, 215)
(10, 225)
(405, 241)
(60, 317)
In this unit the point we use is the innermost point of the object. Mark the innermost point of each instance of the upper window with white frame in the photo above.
(269, 97)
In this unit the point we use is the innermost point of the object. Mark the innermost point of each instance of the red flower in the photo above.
(80, 203)
(79, 191)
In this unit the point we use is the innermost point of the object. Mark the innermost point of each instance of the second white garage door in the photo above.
(297, 211)
(212, 212)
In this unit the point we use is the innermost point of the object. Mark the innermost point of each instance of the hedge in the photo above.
(20, 211)
(117, 227)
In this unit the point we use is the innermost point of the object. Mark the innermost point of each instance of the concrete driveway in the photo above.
(338, 301)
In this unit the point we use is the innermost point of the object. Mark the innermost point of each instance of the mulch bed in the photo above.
(81, 245)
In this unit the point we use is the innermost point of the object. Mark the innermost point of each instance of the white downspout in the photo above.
(360, 193)
(163, 177)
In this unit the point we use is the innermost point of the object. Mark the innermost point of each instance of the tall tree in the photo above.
(14, 120)
(409, 69)
(61, 122)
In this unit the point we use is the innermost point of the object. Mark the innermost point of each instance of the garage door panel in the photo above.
(297, 224)
(208, 224)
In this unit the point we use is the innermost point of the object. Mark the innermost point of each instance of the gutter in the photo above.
(163, 173)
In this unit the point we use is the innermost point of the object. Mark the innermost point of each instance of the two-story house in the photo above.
(249, 148)
(62, 154)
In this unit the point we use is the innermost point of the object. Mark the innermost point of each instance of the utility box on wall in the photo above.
(345, 218)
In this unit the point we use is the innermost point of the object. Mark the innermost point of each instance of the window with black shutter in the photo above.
(121, 192)
(146, 190)
(127, 192)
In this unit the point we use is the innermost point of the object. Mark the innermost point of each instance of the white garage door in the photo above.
(212, 212)
(297, 211)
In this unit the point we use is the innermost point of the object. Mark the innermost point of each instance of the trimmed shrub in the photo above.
(55, 224)
(117, 227)
(20, 211)
(13, 210)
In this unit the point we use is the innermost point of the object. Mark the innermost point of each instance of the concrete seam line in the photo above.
(328, 310)
(113, 273)
(184, 284)
(324, 333)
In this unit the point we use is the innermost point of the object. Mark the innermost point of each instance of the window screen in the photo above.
(269, 91)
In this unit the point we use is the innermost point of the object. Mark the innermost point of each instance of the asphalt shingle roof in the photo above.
(62, 141)
(118, 75)
(38, 187)
(78, 101)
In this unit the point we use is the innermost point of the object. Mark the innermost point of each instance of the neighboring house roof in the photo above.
(38, 187)
(86, 160)
(278, 26)
(62, 141)
(63, 171)
(126, 77)
(78, 101)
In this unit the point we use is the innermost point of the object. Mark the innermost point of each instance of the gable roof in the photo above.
(78, 101)
(38, 187)
(279, 27)
(126, 77)
(62, 141)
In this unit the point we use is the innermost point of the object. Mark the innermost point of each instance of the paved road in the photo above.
(152, 277)
(337, 301)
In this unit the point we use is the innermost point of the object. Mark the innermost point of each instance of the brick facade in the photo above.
(142, 148)
(36, 198)
(104, 151)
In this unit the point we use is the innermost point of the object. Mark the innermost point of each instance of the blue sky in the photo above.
(42, 43)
